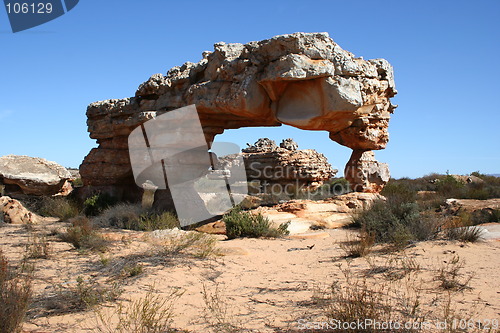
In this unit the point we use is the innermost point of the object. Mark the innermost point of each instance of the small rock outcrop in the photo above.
(269, 164)
(304, 80)
(34, 176)
(12, 211)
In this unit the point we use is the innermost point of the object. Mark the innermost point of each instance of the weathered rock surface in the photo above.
(12, 211)
(304, 80)
(305, 215)
(32, 175)
(365, 174)
(482, 209)
(269, 164)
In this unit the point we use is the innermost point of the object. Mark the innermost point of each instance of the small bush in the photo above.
(396, 222)
(63, 208)
(217, 312)
(15, 295)
(97, 203)
(38, 247)
(123, 216)
(245, 224)
(83, 235)
(359, 246)
(451, 277)
(151, 314)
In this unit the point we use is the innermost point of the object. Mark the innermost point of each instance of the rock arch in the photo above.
(304, 80)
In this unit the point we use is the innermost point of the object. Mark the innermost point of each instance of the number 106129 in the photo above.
(29, 8)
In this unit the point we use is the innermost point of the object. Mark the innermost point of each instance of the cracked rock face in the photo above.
(304, 80)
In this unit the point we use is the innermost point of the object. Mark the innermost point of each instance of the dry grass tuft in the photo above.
(15, 296)
(196, 244)
(151, 314)
(451, 277)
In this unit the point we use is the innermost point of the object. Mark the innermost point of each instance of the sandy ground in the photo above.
(261, 285)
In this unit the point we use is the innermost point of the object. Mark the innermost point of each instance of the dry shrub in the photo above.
(190, 243)
(134, 217)
(15, 296)
(217, 311)
(151, 314)
(451, 277)
(461, 229)
(38, 247)
(60, 207)
(361, 300)
(83, 235)
(358, 246)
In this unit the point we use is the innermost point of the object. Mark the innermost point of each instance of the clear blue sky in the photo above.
(445, 56)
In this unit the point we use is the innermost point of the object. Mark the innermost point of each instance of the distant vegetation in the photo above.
(412, 209)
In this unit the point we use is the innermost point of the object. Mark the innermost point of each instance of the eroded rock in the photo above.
(304, 80)
(285, 166)
(365, 174)
(33, 175)
(12, 211)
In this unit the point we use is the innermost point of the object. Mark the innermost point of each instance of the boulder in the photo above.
(32, 175)
(305, 80)
(12, 211)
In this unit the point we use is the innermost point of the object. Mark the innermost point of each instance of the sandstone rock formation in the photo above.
(304, 80)
(32, 175)
(12, 211)
(285, 165)
(365, 174)
(304, 215)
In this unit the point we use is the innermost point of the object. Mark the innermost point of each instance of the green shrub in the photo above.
(339, 186)
(83, 235)
(15, 295)
(396, 222)
(245, 224)
(63, 208)
(400, 190)
(98, 202)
